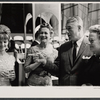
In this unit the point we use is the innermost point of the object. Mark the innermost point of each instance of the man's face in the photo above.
(94, 43)
(73, 31)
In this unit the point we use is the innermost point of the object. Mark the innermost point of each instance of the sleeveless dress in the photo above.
(6, 64)
(39, 76)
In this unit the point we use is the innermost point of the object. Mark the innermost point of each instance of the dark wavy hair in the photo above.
(45, 25)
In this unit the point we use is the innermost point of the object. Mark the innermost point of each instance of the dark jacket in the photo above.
(91, 72)
(34, 43)
(66, 70)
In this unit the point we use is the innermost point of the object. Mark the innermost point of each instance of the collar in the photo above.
(37, 41)
(79, 41)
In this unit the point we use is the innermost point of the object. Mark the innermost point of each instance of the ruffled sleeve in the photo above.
(28, 58)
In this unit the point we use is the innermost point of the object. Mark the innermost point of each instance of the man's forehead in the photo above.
(71, 24)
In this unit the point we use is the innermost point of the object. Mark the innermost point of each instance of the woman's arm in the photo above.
(29, 64)
(52, 68)
(31, 67)
(50, 65)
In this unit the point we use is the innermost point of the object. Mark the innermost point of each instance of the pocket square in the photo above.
(86, 57)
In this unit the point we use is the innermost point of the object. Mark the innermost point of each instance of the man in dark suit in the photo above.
(72, 54)
(37, 39)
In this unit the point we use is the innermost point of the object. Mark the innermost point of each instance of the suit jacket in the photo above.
(66, 70)
(34, 43)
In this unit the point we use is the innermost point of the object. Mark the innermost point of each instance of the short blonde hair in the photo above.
(75, 19)
(95, 29)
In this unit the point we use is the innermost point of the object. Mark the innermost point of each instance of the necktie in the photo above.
(74, 51)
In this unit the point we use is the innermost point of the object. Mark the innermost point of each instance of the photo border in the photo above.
(49, 92)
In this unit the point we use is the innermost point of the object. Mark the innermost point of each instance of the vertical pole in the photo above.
(33, 12)
(59, 7)
(40, 19)
(0, 12)
(24, 29)
(88, 22)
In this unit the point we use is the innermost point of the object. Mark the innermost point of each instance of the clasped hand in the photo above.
(8, 74)
(40, 58)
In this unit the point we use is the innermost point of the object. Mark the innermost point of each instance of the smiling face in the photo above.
(94, 43)
(44, 34)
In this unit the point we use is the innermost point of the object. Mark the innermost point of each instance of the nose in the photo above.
(43, 34)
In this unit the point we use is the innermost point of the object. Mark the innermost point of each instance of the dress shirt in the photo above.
(79, 42)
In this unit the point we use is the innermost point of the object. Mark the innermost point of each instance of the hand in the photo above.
(35, 56)
(51, 59)
(42, 56)
(41, 59)
(4, 74)
(11, 75)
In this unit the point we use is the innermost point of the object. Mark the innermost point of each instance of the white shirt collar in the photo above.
(37, 41)
(79, 41)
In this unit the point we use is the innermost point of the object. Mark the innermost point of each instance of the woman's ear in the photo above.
(51, 34)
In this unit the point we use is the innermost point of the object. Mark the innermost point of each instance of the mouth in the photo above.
(43, 38)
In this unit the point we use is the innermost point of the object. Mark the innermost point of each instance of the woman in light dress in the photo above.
(7, 61)
(34, 65)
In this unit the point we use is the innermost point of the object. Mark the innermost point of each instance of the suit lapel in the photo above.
(70, 52)
(70, 56)
(81, 50)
